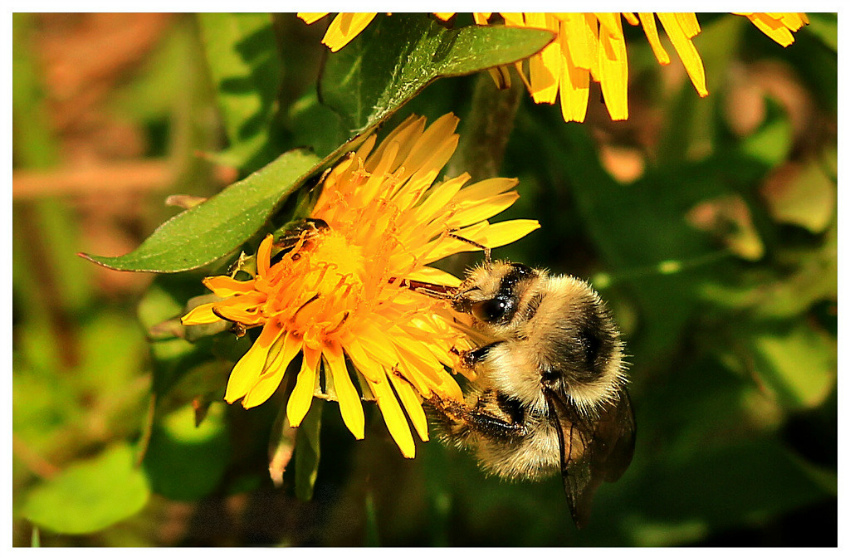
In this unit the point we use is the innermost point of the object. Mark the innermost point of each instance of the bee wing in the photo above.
(614, 438)
(592, 452)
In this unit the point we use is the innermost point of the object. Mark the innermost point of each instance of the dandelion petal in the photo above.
(248, 369)
(647, 20)
(202, 314)
(485, 188)
(311, 17)
(264, 254)
(435, 276)
(369, 368)
(224, 286)
(344, 28)
(302, 395)
(613, 66)
(271, 377)
(575, 70)
(686, 51)
(411, 403)
(394, 418)
(506, 232)
(772, 27)
(483, 210)
(545, 67)
(349, 400)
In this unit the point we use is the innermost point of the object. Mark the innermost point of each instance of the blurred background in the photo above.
(709, 225)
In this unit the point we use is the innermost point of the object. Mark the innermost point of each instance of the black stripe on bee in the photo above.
(510, 407)
(518, 272)
(594, 342)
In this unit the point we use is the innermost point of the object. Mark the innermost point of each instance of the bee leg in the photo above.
(495, 427)
(478, 419)
(487, 261)
(472, 357)
(238, 329)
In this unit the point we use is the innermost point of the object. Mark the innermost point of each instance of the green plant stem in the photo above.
(485, 131)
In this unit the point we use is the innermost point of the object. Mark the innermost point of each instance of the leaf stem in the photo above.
(485, 131)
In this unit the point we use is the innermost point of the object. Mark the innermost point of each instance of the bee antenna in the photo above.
(430, 289)
(487, 262)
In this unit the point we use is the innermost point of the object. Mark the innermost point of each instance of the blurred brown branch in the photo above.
(137, 175)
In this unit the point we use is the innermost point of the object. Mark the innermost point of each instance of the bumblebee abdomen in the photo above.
(532, 457)
(575, 333)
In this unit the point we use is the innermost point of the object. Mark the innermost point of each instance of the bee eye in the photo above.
(493, 310)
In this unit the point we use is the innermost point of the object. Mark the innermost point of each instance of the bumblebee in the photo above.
(550, 394)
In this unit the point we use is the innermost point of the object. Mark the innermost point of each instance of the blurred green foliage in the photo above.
(718, 257)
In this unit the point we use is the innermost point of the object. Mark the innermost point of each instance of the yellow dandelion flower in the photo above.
(336, 296)
(590, 47)
(777, 26)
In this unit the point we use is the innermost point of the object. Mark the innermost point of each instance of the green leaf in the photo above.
(771, 143)
(246, 70)
(372, 537)
(726, 486)
(316, 125)
(397, 56)
(797, 364)
(183, 371)
(635, 228)
(691, 127)
(90, 495)
(808, 200)
(806, 277)
(308, 451)
(185, 462)
(825, 27)
(216, 227)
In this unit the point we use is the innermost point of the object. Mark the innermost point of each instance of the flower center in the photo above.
(315, 290)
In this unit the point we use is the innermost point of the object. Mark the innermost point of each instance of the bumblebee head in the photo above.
(491, 294)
